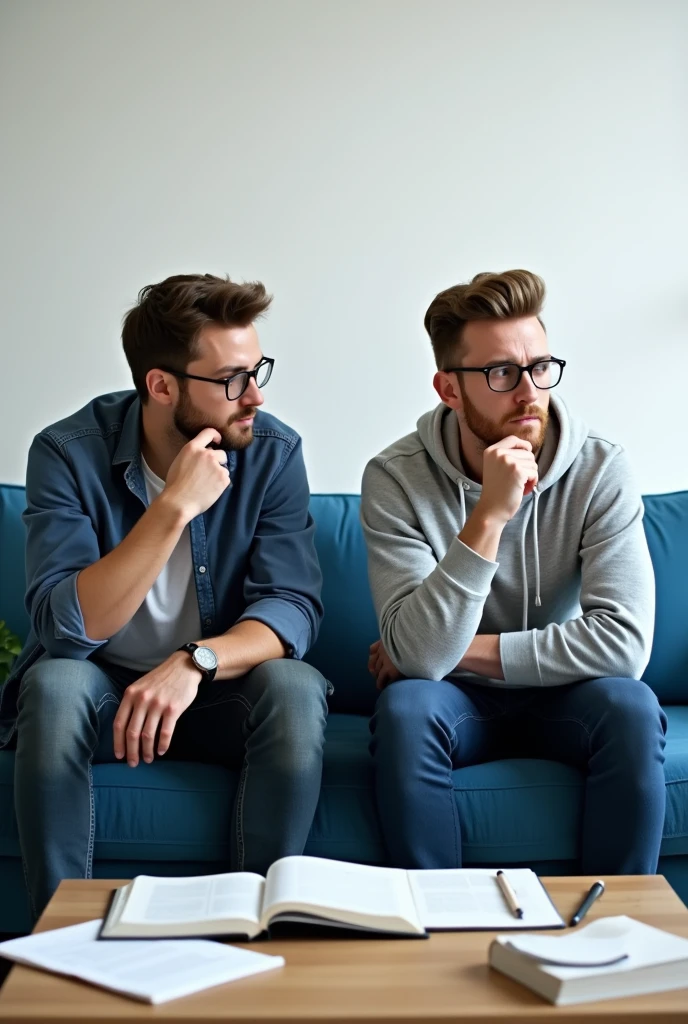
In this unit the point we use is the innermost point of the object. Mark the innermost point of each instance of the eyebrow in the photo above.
(502, 362)
(236, 369)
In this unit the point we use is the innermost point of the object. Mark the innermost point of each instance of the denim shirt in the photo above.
(253, 550)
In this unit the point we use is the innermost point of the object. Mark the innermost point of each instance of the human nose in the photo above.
(252, 395)
(525, 390)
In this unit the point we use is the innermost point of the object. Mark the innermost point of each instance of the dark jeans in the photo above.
(612, 729)
(270, 724)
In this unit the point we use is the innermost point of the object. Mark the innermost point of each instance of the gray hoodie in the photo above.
(572, 594)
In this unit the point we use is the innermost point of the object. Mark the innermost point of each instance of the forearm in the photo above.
(247, 644)
(483, 657)
(112, 589)
(482, 533)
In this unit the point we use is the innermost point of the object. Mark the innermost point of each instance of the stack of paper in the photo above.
(151, 970)
(610, 958)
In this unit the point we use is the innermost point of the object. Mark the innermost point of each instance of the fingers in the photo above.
(148, 733)
(205, 437)
(120, 724)
(219, 456)
(511, 442)
(169, 721)
(133, 733)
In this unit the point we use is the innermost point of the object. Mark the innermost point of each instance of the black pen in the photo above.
(596, 891)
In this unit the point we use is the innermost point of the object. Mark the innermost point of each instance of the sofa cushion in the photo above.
(349, 626)
(666, 529)
(512, 811)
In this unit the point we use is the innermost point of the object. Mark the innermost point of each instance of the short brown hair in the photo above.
(487, 297)
(164, 325)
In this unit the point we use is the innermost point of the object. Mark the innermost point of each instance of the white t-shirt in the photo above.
(169, 615)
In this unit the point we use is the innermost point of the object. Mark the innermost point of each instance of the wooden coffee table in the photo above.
(331, 981)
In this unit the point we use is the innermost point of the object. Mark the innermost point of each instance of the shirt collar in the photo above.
(129, 447)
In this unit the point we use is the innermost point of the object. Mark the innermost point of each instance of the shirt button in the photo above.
(207, 622)
(201, 568)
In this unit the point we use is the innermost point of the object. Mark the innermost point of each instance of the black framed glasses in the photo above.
(545, 374)
(236, 384)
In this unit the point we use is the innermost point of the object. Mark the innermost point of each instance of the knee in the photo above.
(293, 688)
(632, 714)
(404, 709)
(55, 685)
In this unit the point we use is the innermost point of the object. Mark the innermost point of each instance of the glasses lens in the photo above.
(503, 378)
(236, 385)
(263, 374)
(546, 375)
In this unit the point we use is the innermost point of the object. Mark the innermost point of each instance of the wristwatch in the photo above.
(204, 658)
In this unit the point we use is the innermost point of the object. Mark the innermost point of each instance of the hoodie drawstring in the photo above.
(462, 496)
(536, 544)
(524, 571)
(536, 498)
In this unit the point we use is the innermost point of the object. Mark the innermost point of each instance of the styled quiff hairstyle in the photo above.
(162, 329)
(487, 297)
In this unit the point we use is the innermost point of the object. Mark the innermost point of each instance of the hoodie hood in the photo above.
(439, 433)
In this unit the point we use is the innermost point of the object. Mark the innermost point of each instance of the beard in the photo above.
(189, 421)
(490, 431)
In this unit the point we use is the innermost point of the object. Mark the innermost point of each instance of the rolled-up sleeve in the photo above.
(60, 543)
(283, 586)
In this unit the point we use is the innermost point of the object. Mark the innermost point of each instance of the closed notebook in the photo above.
(611, 958)
(315, 893)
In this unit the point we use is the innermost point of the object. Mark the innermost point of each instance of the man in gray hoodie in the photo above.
(514, 591)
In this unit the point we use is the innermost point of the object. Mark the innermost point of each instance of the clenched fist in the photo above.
(198, 476)
(509, 473)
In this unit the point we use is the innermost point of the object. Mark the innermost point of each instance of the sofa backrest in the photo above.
(666, 529)
(349, 626)
(12, 574)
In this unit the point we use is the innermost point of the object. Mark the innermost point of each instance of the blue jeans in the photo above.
(270, 724)
(611, 729)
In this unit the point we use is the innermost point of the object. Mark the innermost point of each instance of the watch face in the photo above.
(205, 658)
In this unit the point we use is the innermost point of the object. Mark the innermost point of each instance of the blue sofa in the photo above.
(172, 818)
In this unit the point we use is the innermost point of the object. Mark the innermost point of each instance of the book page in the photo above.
(458, 898)
(169, 902)
(151, 971)
(349, 893)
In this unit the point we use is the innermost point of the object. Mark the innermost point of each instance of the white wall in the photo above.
(357, 156)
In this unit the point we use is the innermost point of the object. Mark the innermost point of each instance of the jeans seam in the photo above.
(223, 700)
(92, 822)
(107, 698)
(241, 789)
(240, 815)
(565, 718)
(32, 905)
(473, 718)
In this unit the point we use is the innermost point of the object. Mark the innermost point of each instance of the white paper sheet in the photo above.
(456, 898)
(152, 970)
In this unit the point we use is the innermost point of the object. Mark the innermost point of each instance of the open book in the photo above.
(612, 957)
(312, 891)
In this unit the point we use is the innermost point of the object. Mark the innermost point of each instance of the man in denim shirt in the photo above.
(173, 588)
